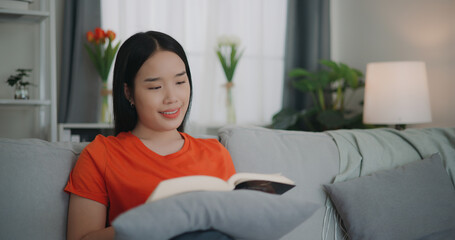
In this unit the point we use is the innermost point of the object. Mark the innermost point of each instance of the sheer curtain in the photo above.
(196, 24)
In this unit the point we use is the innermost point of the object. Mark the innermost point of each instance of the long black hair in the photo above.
(132, 54)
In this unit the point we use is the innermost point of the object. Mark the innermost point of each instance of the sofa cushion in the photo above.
(309, 159)
(409, 202)
(242, 214)
(33, 174)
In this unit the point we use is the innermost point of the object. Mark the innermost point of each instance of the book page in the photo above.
(175, 186)
(244, 177)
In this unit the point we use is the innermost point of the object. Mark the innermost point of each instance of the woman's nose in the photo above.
(170, 96)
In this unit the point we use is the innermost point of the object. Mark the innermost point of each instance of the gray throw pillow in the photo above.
(413, 201)
(242, 214)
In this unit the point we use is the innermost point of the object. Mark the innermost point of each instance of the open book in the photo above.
(271, 183)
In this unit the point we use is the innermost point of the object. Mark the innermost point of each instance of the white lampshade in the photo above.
(396, 93)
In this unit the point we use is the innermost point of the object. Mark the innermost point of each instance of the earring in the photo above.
(131, 104)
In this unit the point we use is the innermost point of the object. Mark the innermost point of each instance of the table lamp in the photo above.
(396, 93)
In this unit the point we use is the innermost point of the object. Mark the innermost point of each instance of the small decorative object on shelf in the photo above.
(102, 52)
(229, 57)
(21, 86)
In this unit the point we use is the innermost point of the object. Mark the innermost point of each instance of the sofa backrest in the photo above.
(310, 159)
(33, 174)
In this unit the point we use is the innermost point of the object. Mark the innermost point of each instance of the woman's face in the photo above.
(161, 92)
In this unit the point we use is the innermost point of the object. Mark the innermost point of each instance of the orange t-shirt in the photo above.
(121, 172)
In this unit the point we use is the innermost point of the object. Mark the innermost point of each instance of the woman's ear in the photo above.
(127, 92)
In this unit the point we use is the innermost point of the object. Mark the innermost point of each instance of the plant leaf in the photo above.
(224, 65)
(285, 119)
(331, 64)
(331, 119)
(298, 72)
(94, 58)
(304, 85)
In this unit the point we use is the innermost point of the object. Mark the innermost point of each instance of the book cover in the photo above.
(270, 183)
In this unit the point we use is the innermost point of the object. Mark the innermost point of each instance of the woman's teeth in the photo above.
(170, 112)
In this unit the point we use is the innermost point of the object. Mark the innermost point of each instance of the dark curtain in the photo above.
(307, 42)
(80, 86)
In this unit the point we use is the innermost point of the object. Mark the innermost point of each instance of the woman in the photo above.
(152, 96)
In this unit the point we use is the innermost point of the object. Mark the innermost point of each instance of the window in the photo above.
(196, 24)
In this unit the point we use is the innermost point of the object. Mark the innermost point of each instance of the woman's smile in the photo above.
(171, 113)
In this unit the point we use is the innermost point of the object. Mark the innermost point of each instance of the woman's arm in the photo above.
(87, 220)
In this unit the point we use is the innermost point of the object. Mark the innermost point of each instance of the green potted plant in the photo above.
(21, 86)
(327, 88)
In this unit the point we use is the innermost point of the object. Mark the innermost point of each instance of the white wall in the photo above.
(366, 31)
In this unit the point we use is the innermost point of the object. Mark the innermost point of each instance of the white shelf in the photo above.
(28, 102)
(24, 15)
(36, 24)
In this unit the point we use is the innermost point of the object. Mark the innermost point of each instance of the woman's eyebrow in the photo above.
(180, 74)
(158, 78)
(151, 79)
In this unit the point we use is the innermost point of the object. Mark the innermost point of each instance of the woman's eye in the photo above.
(181, 82)
(154, 88)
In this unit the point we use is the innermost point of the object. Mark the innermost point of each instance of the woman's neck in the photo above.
(161, 142)
(153, 135)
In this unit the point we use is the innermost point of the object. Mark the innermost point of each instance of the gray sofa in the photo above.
(34, 172)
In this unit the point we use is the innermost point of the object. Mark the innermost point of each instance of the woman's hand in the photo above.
(87, 220)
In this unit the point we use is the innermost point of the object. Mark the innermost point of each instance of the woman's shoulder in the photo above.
(98, 150)
(102, 142)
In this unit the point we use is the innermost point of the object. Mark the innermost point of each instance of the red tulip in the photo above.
(99, 34)
(101, 54)
(110, 34)
(90, 36)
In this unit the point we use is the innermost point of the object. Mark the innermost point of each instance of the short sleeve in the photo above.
(87, 179)
(221, 153)
(227, 161)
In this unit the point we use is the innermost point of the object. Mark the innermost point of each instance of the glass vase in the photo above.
(230, 108)
(21, 92)
(105, 116)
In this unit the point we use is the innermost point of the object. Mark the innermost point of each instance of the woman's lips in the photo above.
(173, 113)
